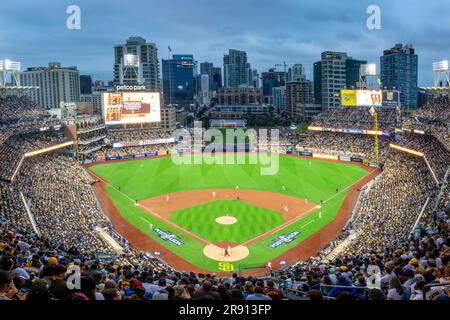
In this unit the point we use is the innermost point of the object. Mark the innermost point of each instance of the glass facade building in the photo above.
(399, 71)
(178, 80)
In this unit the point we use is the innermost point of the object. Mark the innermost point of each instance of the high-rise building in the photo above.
(236, 69)
(271, 79)
(254, 78)
(352, 71)
(136, 63)
(279, 97)
(208, 69)
(399, 71)
(298, 93)
(296, 73)
(178, 80)
(334, 77)
(337, 71)
(217, 78)
(318, 82)
(56, 84)
(85, 84)
(240, 96)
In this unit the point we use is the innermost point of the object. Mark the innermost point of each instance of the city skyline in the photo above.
(36, 33)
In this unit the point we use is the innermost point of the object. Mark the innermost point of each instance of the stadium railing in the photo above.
(429, 286)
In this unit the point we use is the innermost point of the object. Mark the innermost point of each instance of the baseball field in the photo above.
(224, 217)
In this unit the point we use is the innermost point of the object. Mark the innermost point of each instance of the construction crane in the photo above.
(285, 68)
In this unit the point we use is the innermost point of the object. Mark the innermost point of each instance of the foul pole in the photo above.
(374, 114)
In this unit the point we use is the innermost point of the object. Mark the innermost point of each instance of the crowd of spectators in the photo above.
(345, 144)
(14, 108)
(137, 134)
(357, 118)
(14, 148)
(437, 155)
(62, 201)
(387, 211)
(433, 116)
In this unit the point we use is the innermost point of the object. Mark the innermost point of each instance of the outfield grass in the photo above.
(303, 178)
(251, 220)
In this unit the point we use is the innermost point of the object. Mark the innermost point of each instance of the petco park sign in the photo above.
(167, 236)
(284, 238)
(131, 88)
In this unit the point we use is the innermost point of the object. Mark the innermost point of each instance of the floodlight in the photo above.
(441, 66)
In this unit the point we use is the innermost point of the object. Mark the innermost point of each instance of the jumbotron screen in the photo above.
(131, 107)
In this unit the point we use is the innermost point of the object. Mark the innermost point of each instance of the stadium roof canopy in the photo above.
(15, 90)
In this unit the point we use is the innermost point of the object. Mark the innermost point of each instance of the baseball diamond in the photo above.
(186, 202)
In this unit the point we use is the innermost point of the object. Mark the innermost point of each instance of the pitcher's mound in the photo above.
(226, 220)
(216, 253)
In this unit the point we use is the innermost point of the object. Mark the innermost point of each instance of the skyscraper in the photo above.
(298, 93)
(271, 79)
(236, 69)
(296, 73)
(208, 69)
(318, 82)
(399, 71)
(56, 84)
(178, 80)
(217, 78)
(333, 77)
(85, 84)
(136, 63)
(337, 71)
(352, 70)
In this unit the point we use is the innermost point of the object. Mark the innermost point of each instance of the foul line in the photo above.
(246, 243)
(155, 214)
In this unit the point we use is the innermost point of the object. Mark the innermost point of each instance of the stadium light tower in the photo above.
(441, 68)
(8, 67)
(374, 114)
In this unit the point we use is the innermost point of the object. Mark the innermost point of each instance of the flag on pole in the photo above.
(170, 49)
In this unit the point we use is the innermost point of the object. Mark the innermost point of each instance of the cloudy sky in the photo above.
(271, 31)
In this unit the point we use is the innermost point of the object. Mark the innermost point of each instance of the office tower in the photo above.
(271, 79)
(136, 63)
(217, 78)
(208, 69)
(279, 97)
(56, 84)
(296, 73)
(318, 82)
(352, 70)
(178, 80)
(85, 84)
(399, 70)
(236, 69)
(298, 93)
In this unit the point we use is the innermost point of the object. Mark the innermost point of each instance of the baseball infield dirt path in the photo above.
(309, 247)
(165, 204)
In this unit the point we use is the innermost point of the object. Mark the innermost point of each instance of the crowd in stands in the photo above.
(124, 135)
(14, 148)
(433, 116)
(12, 210)
(120, 152)
(14, 108)
(63, 203)
(435, 152)
(388, 210)
(345, 144)
(356, 118)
